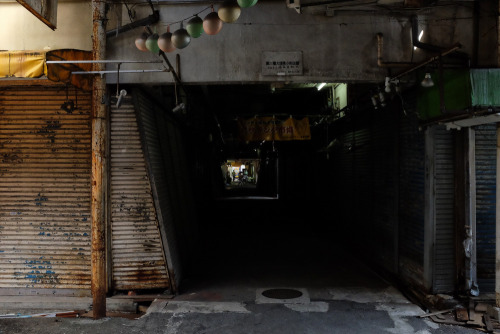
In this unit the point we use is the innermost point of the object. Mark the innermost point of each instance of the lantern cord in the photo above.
(131, 16)
(187, 18)
(175, 92)
(151, 5)
(169, 65)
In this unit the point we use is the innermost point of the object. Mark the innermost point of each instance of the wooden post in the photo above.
(99, 179)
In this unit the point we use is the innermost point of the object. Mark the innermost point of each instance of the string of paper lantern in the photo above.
(229, 12)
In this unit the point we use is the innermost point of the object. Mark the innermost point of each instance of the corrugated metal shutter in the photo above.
(44, 190)
(344, 167)
(138, 257)
(444, 271)
(486, 154)
(411, 198)
(175, 158)
(162, 184)
(383, 154)
(362, 185)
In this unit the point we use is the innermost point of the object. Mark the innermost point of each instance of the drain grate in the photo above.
(282, 293)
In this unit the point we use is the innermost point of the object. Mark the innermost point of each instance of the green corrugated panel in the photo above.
(457, 93)
(485, 87)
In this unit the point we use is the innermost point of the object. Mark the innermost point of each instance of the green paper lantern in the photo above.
(246, 3)
(152, 43)
(195, 27)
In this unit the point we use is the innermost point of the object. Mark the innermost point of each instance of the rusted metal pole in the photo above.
(99, 180)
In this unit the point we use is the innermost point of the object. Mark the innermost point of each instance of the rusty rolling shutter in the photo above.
(44, 191)
(163, 188)
(383, 227)
(411, 198)
(362, 191)
(138, 258)
(444, 192)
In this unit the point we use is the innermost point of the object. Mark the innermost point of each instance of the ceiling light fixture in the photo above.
(387, 84)
(419, 38)
(321, 85)
(427, 82)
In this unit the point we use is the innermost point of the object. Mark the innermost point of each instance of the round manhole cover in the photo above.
(282, 293)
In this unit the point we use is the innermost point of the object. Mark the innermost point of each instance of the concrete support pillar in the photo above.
(99, 175)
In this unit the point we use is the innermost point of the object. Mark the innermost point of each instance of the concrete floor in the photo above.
(251, 246)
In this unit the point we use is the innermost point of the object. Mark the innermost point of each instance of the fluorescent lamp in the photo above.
(419, 38)
(321, 85)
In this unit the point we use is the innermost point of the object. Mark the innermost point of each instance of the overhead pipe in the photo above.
(151, 19)
(414, 37)
(453, 48)
(146, 22)
(416, 43)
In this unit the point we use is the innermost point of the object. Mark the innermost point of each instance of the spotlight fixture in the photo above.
(180, 108)
(120, 96)
(387, 85)
(381, 97)
(374, 101)
(427, 82)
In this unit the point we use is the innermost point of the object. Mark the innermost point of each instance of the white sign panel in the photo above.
(282, 63)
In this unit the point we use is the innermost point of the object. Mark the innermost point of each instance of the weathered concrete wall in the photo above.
(21, 30)
(340, 48)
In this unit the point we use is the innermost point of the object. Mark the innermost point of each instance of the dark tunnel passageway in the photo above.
(323, 213)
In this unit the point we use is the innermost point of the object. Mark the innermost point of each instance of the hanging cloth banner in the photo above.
(270, 128)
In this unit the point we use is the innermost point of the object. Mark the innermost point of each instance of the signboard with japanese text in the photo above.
(282, 63)
(271, 128)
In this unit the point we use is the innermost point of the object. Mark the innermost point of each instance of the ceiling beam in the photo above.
(44, 10)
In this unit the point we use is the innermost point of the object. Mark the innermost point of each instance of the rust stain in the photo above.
(39, 200)
(49, 130)
(12, 157)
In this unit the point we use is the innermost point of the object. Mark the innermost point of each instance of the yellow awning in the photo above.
(22, 64)
(32, 64)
